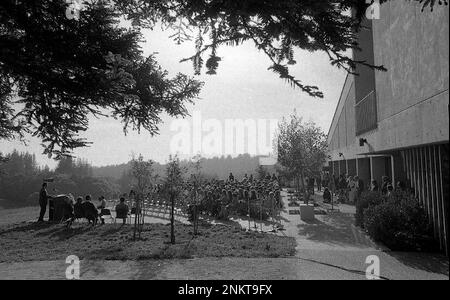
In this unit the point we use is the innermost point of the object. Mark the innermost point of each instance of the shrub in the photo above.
(366, 200)
(399, 223)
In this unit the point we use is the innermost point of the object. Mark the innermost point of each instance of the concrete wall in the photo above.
(413, 45)
(412, 96)
(342, 130)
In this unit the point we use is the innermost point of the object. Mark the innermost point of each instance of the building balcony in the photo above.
(366, 114)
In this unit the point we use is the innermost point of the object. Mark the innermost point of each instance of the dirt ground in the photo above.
(208, 268)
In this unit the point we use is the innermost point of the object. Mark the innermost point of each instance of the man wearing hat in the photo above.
(43, 201)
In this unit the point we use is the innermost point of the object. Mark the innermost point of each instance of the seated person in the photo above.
(78, 209)
(102, 208)
(374, 186)
(326, 196)
(90, 212)
(390, 191)
(122, 210)
(102, 203)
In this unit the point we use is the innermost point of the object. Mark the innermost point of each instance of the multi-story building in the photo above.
(396, 123)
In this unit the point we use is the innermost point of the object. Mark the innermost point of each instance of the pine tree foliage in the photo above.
(275, 27)
(61, 71)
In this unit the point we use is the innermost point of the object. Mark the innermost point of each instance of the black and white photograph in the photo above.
(224, 147)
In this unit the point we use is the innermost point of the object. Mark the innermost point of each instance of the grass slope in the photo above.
(32, 241)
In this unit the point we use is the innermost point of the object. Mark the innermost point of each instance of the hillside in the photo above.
(213, 167)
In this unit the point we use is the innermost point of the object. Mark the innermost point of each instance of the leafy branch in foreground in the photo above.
(276, 27)
(56, 72)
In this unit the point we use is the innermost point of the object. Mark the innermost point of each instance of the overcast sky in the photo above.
(242, 89)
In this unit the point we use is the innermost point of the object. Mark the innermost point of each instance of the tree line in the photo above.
(21, 179)
(21, 176)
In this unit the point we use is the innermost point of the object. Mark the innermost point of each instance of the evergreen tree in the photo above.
(63, 70)
(65, 166)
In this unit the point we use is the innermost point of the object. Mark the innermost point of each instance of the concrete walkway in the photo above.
(316, 265)
(333, 240)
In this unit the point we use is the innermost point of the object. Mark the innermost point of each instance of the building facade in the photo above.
(396, 123)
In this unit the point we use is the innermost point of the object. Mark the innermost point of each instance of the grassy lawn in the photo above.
(17, 215)
(32, 241)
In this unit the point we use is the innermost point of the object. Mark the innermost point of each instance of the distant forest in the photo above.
(21, 177)
(218, 168)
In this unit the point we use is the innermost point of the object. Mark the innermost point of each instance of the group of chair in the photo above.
(158, 208)
(88, 212)
(151, 207)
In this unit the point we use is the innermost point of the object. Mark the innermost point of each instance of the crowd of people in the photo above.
(349, 188)
(245, 197)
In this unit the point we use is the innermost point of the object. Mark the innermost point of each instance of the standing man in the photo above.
(311, 185)
(326, 181)
(360, 186)
(43, 200)
(319, 182)
(231, 177)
